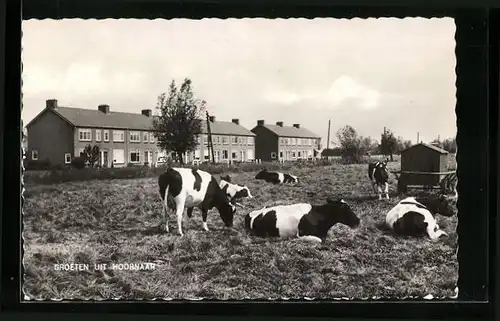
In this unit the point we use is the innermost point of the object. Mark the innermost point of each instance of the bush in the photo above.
(78, 162)
(37, 165)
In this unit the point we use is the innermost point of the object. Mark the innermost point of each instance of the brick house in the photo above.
(279, 142)
(231, 142)
(58, 134)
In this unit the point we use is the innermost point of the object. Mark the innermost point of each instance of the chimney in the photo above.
(236, 121)
(103, 108)
(279, 123)
(296, 125)
(260, 122)
(212, 119)
(51, 103)
(146, 112)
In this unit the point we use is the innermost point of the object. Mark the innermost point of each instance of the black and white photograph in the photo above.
(236, 159)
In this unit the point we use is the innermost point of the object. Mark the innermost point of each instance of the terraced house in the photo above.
(58, 134)
(231, 143)
(279, 142)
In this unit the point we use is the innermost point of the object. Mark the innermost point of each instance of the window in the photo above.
(134, 156)
(273, 155)
(145, 138)
(217, 156)
(118, 156)
(216, 139)
(233, 155)
(299, 141)
(293, 154)
(281, 154)
(98, 134)
(250, 141)
(205, 140)
(135, 137)
(298, 155)
(206, 156)
(118, 136)
(197, 154)
(67, 158)
(34, 154)
(235, 140)
(224, 154)
(85, 134)
(239, 140)
(294, 141)
(151, 137)
(106, 135)
(225, 140)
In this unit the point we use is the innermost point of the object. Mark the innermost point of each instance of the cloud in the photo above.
(346, 88)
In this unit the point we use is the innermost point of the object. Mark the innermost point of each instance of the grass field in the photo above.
(119, 221)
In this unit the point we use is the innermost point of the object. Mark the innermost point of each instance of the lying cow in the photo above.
(416, 216)
(276, 177)
(191, 188)
(234, 192)
(303, 220)
(379, 176)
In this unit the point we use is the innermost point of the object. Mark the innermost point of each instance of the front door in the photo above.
(104, 158)
(146, 158)
(150, 157)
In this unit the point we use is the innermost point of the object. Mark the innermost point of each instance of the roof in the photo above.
(290, 131)
(225, 128)
(435, 148)
(81, 117)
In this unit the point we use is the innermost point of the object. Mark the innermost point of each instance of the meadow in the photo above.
(119, 221)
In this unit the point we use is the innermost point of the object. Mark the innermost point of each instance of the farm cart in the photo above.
(414, 179)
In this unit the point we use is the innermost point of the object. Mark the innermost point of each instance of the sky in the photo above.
(367, 73)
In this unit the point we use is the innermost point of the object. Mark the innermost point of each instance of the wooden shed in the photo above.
(423, 165)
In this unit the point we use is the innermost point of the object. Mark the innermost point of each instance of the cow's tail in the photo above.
(163, 184)
(371, 171)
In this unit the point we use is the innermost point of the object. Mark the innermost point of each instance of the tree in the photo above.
(352, 146)
(388, 144)
(402, 144)
(450, 145)
(178, 124)
(91, 155)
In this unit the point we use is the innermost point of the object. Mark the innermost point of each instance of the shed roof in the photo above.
(435, 148)
(290, 131)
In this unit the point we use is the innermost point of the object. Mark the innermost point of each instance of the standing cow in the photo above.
(416, 216)
(379, 176)
(191, 188)
(303, 220)
(276, 177)
(234, 192)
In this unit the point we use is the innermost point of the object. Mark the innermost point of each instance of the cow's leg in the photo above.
(165, 216)
(374, 186)
(379, 191)
(434, 232)
(386, 190)
(310, 238)
(204, 214)
(179, 210)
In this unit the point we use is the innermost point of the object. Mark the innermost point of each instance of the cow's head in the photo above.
(261, 174)
(227, 178)
(244, 192)
(446, 205)
(339, 211)
(227, 212)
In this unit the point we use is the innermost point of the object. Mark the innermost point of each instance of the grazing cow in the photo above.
(191, 188)
(416, 216)
(303, 220)
(234, 192)
(379, 176)
(276, 177)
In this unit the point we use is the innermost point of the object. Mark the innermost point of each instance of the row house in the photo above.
(58, 134)
(279, 142)
(231, 143)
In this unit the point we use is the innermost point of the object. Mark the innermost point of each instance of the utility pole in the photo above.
(209, 136)
(328, 139)
(418, 138)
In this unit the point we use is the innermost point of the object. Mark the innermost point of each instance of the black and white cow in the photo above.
(416, 216)
(189, 188)
(379, 176)
(276, 177)
(234, 192)
(303, 220)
